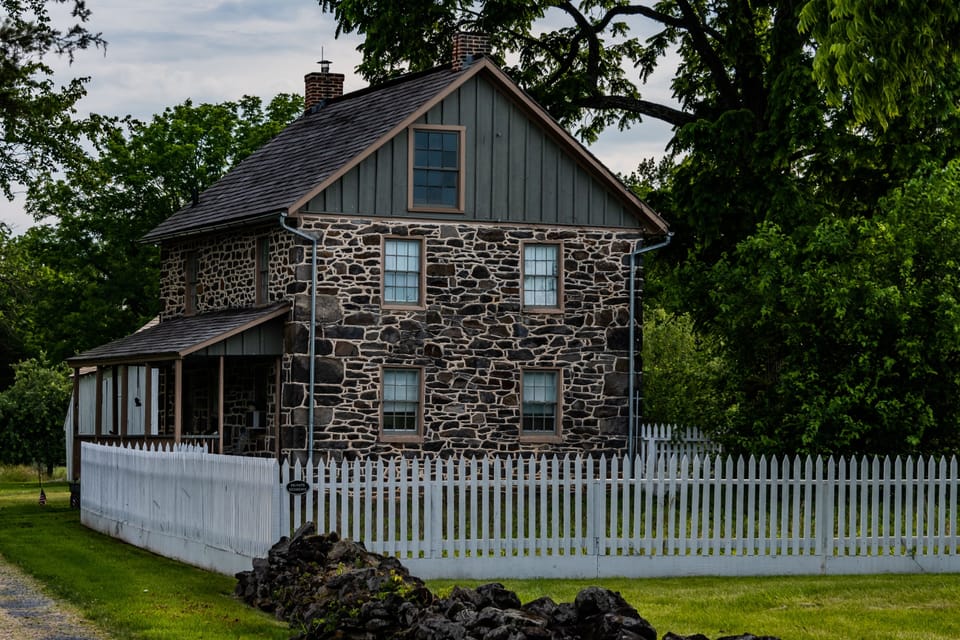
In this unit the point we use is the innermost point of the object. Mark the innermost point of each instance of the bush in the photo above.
(32, 411)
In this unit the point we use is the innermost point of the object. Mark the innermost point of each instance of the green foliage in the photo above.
(95, 280)
(37, 129)
(883, 57)
(32, 412)
(16, 279)
(846, 333)
(685, 376)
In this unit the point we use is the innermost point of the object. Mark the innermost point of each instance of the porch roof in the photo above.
(178, 338)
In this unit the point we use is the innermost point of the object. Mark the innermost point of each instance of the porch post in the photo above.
(124, 401)
(98, 409)
(114, 403)
(276, 407)
(147, 401)
(75, 435)
(220, 406)
(177, 400)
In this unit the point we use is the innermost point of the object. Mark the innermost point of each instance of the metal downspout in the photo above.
(313, 330)
(633, 409)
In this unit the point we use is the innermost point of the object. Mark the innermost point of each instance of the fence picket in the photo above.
(878, 513)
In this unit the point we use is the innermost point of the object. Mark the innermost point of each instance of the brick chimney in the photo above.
(467, 47)
(321, 86)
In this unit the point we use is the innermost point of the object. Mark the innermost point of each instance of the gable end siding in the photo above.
(514, 171)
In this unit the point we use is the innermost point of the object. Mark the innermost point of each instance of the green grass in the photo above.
(134, 594)
(129, 592)
(887, 607)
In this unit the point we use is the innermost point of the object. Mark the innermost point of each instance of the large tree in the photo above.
(37, 126)
(790, 117)
(98, 281)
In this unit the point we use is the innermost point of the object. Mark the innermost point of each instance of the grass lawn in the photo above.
(129, 592)
(873, 607)
(135, 594)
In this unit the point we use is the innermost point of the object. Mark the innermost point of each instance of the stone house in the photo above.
(430, 265)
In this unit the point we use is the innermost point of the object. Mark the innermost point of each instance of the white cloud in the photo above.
(160, 54)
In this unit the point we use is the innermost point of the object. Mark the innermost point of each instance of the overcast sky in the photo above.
(160, 53)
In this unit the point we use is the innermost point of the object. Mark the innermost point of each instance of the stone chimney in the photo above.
(467, 47)
(321, 86)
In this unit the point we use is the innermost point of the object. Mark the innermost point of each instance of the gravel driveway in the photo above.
(27, 614)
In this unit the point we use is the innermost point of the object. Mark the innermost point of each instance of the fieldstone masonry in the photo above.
(471, 339)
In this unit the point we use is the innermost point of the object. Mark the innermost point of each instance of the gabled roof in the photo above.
(324, 143)
(178, 338)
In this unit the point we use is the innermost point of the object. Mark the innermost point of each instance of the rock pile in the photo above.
(332, 588)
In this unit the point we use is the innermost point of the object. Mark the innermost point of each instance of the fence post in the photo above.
(279, 493)
(824, 519)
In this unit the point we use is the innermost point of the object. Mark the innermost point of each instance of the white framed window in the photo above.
(540, 389)
(436, 168)
(542, 281)
(402, 272)
(402, 402)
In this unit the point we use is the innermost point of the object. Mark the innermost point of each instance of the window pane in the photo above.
(541, 268)
(539, 401)
(401, 399)
(401, 271)
(436, 170)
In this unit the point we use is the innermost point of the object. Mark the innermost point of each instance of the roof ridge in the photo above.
(386, 84)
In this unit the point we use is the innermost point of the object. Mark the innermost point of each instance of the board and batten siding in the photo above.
(515, 171)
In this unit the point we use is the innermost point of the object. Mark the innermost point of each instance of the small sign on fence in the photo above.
(298, 487)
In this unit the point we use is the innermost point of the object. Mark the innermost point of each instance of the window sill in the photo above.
(545, 438)
(435, 209)
(403, 307)
(550, 310)
(399, 437)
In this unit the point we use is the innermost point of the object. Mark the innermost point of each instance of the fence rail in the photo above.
(586, 517)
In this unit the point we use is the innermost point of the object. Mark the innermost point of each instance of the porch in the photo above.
(210, 379)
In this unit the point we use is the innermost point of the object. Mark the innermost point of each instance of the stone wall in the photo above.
(227, 270)
(471, 339)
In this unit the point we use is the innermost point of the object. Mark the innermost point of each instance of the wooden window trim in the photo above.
(396, 436)
(560, 278)
(461, 173)
(262, 273)
(420, 305)
(191, 282)
(556, 436)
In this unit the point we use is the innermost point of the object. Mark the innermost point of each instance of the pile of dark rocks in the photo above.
(328, 587)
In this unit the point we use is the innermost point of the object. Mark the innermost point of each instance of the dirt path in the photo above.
(27, 614)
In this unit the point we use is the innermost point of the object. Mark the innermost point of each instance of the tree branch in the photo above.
(663, 18)
(667, 114)
(698, 37)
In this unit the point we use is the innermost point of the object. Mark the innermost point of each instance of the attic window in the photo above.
(436, 169)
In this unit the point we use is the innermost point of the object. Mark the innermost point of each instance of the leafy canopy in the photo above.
(37, 127)
(95, 280)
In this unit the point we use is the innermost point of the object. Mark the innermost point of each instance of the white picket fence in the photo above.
(585, 517)
(665, 440)
(212, 511)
